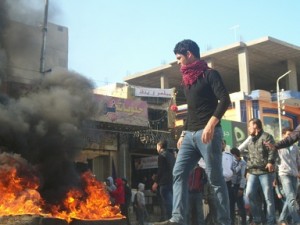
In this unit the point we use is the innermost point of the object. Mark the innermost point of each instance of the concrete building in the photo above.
(250, 72)
(253, 65)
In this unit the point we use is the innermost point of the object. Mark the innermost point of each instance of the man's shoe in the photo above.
(167, 222)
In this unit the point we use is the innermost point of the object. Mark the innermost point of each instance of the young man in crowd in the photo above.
(166, 161)
(239, 183)
(293, 137)
(227, 164)
(260, 168)
(288, 171)
(207, 100)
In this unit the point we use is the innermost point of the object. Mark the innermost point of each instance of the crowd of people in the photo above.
(261, 179)
(205, 171)
(120, 194)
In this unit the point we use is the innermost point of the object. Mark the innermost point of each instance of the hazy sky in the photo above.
(109, 40)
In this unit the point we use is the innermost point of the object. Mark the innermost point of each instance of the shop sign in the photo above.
(234, 132)
(150, 162)
(121, 111)
(153, 92)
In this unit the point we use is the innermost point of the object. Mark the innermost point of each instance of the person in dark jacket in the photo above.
(128, 195)
(166, 161)
(286, 142)
(260, 168)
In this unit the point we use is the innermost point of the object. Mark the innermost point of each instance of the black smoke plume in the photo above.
(29, 12)
(45, 128)
(3, 25)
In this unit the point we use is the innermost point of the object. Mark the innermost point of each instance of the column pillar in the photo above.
(292, 82)
(164, 82)
(244, 76)
(123, 155)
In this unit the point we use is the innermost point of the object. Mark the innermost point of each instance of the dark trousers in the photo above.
(166, 194)
(231, 201)
(239, 200)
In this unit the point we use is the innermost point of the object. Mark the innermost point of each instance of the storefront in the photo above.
(107, 135)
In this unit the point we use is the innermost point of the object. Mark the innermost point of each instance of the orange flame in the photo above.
(89, 203)
(19, 196)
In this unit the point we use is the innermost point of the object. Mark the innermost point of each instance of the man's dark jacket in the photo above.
(166, 161)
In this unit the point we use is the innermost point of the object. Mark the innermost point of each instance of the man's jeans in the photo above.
(289, 185)
(166, 195)
(265, 183)
(192, 149)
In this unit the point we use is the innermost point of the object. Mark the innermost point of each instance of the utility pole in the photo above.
(278, 103)
(44, 30)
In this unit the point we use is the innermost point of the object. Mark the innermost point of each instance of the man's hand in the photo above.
(207, 134)
(209, 130)
(179, 142)
(270, 167)
(154, 187)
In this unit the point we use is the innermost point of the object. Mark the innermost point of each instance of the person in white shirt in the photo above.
(227, 163)
(141, 204)
(288, 171)
(244, 145)
(239, 183)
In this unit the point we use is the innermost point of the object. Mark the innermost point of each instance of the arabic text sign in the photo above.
(122, 111)
(153, 92)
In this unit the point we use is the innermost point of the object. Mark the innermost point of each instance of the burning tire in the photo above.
(99, 222)
(30, 220)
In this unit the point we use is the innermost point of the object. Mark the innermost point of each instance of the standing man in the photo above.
(239, 183)
(166, 161)
(227, 164)
(288, 141)
(207, 100)
(128, 195)
(288, 171)
(260, 167)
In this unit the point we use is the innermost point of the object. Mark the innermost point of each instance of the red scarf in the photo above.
(191, 72)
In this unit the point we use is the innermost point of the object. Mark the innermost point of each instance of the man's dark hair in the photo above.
(235, 151)
(187, 45)
(257, 122)
(163, 143)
